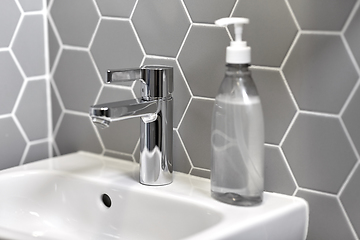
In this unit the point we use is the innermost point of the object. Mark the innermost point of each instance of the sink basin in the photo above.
(87, 196)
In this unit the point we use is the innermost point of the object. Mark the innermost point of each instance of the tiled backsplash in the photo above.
(306, 61)
(24, 83)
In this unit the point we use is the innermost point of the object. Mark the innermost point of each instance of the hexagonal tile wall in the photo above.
(34, 5)
(278, 106)
(12, 146)
(29, 45)
(316, 147)
(163, 32)
(315, 85)
(75, 21)
(271, 30)
(181, 94)
(78, 84)
(32, 110)
(119, 51)
(115, 8)
(319, 15)
(201, 14)
(9, 17)
(326, 220)
(77, 132)
(351, 118)
(10, 84)
(352, 35)
(202, 59)
(195, 130)
(283, 181)
(350, 198)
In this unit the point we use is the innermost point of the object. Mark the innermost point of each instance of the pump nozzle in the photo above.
(237, 52)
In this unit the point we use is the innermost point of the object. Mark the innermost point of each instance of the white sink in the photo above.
(62, 198)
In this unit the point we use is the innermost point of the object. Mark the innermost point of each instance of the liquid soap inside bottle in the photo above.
(237, 140)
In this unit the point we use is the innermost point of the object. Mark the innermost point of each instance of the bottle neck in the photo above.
(237, 69)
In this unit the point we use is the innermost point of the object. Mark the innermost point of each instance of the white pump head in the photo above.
(237, 52)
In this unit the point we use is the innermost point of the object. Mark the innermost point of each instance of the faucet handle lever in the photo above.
(157, 81)
(124, 75)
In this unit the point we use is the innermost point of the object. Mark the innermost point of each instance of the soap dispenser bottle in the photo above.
(237, 137)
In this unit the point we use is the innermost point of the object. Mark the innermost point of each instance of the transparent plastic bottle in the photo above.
(237, 140)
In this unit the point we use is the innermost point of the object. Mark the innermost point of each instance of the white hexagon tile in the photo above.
(306, 62)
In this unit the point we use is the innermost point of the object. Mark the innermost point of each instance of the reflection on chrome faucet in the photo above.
(155, 108)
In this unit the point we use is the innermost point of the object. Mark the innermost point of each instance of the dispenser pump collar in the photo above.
(238, 52)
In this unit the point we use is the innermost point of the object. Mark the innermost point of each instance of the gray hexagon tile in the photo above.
(75, 21)
(10, 84)
(195, 131)
(121, 136)
(271, 30)
(161, 26)
(33, 5)
(9, 17)
(320, 73)
(119, 51)
(326, 15)
(207, 11)
(77, 133)
(200, 173)
(202, 59)
(278, 107)
(54, 45)
(278, 177)
(78, 84)
(181, 94)
(326, 219)
(315, 148)
(37, 152)
(352, 35)
(350, 198)
(115, 8)
(29, 46)
(32, 110)
(55, 108)
(351, 118)
(12, 143)
(181, 161)
(118, 155)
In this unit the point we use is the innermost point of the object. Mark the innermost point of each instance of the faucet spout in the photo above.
(116, 111)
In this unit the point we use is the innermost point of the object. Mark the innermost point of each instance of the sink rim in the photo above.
(192, 189)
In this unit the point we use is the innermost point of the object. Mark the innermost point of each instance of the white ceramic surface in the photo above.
(61, 198)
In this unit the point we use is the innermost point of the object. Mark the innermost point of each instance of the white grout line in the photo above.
(289, 128)
(322, 114)
(293, 15)
(318, 192)
(137, 38)
(233, 9)
(292, 46)
(350, 17)
(186, 11)
(133, 10)
(185, 150)
(352, 229)
(183, 42)
(26, 150)
(137, 145)
(289, 168)
(185, 111)
(183, 76)
(204, 98)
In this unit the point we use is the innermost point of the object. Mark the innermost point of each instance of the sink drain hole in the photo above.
(106, 200)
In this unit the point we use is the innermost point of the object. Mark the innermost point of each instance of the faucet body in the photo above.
(155, 109)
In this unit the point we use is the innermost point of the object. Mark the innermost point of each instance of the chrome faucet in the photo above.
(155, 108)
